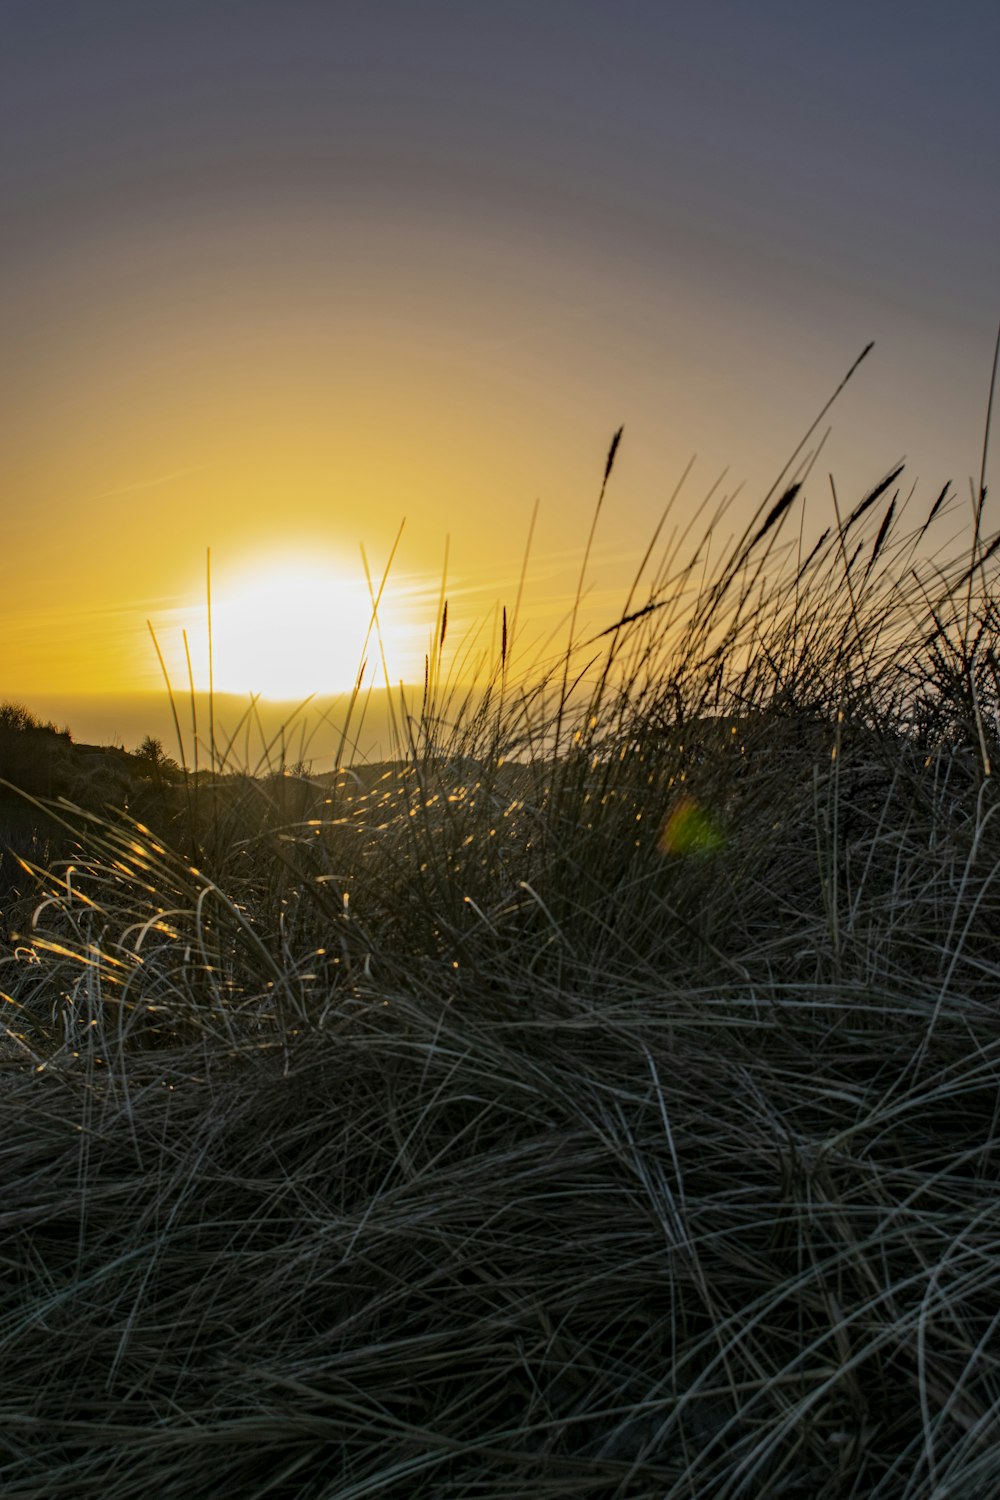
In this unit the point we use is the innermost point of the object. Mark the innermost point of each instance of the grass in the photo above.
(599, 1100)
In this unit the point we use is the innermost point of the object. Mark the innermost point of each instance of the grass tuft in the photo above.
(599, 1098)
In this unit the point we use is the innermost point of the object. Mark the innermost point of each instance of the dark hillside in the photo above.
(41, 766)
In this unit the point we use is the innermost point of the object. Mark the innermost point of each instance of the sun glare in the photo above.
(289, 630)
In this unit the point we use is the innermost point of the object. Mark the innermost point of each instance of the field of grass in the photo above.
(603, 1099)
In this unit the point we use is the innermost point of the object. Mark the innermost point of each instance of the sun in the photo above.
(289, 629)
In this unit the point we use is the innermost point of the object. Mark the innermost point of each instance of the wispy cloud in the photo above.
(148, 484)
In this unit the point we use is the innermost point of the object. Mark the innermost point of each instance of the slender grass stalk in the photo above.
(211, 662)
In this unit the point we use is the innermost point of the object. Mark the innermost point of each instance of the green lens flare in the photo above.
(689, 829)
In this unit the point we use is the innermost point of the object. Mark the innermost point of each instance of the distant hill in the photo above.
(40, 764)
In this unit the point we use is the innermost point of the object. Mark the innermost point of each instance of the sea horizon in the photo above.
(255, 735)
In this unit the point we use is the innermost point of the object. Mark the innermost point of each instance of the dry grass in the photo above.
(621, 1124)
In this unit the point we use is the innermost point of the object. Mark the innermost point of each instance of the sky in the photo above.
(278, 276)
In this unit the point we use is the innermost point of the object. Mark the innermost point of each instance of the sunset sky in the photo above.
(278, 274)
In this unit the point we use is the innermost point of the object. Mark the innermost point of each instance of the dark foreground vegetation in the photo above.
(603, 1101)
(49, 766)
